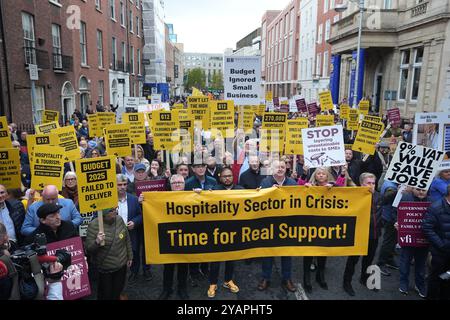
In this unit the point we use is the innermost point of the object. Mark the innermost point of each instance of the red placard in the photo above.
(409, 217)
(394, 116)
(148, 186)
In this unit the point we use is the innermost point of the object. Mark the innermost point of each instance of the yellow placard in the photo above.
(196, 92)
(368, 136)
(344, 111)
(40, 140)
(353, 119)
(364, 106)
(186, 135)
(326, 101)
(324, 120)
(5, 137)
(97, 184)
(184, 227)
(10, 168)
(246, 117)
(46, 127)
(269, 96)
(165, 126)
(294, 142)
(222, 118)
(106, 119)
(94, 127)
(199, 108)
(47, 167)
(118, 140)
(51, 116)
(373, 118)
(272, 132)
(178, 106)
(67, 139)
(137, 127)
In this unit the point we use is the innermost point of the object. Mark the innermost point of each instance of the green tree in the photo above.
(195, 78)
(217, 81)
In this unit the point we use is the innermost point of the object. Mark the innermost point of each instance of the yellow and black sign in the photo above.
(353, 119)
(118, 140)
(97, 184)
(67, 139)
(94, 127)
(324, 120)
(269, 96)
(183, 227)
(10, 168)
(294, 142)
(40, 140)
(373, 118)
(186, 131)
(344, 111)
(272, 132)
(246, 116)
(326, 101)
(165, 126)
(368, 136)
(177, 106)
(47, 167)
(137, 127)
(364, 106)
(5, 138)
(222, 118)
(199, 108)
(50, 116)
(46, 127)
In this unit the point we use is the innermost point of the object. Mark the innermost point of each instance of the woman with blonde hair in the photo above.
(70, 187)
(139, 158)
(321, 177)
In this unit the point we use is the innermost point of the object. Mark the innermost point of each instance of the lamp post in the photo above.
(342, 8)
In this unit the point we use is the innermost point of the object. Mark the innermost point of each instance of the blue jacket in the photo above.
(436, 226)
(68, 213)
(438, 189)
(135, 215)
(269, 181)
(193, 183)
(388, 193)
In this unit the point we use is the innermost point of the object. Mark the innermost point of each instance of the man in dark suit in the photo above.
(131, 213)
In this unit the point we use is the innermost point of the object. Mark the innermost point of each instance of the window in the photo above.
(319, 34)
(417, 67)
(387, 4)
(122, 14)
(318, 64)
(101, 90)
(57, 52)
(114, 53)
(138, 22)
(83, 44)
(132, 59)
(98, 4)
(138, 54)
(29, 42)
(404, 72)
(40, 103)
(100, 48)
(326, 63)
(327, 30)
(286, 26)
(124, 56)
(292, 20)
(112, 9)
(130, 27)
(325, 6)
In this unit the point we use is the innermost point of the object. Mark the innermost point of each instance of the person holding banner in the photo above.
(419, 254)
(278, 179)
(176, 184)
(50, 195)
(226, 183)
(366, 180)
(252, 178)
(114, 257)
(436, 226)
(321, 177)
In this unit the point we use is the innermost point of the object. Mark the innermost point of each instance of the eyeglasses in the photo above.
(71, 179)
(177, 182)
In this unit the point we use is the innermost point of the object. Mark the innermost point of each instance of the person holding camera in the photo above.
(436, 226)
(111, 250)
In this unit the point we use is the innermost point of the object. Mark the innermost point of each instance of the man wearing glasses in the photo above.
(50, 193)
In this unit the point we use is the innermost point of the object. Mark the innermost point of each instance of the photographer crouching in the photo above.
(28, 273)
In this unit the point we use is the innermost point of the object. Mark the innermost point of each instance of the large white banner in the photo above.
(242, 80)
(324, 146)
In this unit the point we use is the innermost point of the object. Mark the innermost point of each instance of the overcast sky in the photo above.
(211, 26)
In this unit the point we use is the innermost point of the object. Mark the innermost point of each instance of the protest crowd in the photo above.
(112, 239)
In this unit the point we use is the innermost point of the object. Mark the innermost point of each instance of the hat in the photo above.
(139, 166)
(48, 208)
(383, 144)
(106, 211)
(92, 144)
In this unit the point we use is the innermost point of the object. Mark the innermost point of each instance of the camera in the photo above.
(445, 275)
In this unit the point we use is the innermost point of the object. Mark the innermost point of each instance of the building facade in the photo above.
(406, 52)
(210, 64)
(71, 43)
(280, 47)
(250, 45)
(179, 69)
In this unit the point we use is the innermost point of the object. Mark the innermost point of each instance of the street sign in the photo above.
(34, 73)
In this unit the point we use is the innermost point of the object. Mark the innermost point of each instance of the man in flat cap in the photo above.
(51, 224)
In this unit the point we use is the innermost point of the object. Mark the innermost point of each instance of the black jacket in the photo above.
(17, 214)
(222, 187)
(354, 170)
(375, 217)
(250, 179)
(65, 231)
(436, 226)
